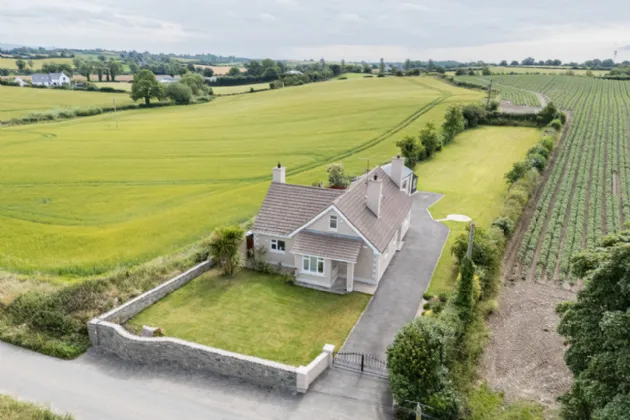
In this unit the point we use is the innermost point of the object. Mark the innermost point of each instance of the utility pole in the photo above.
(489, 93)
(115, 112)
(471, 238)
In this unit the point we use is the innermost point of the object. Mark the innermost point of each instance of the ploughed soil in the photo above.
(524, 357)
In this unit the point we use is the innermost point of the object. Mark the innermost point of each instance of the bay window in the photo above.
(312, 265)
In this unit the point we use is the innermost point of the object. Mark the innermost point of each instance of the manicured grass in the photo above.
(11, 409)
(256, 314)
(83, 197)
(227, 90)
(470, 171)
(16, 102)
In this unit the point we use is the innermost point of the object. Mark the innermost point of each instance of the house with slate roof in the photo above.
(49, 79)
(335, 239)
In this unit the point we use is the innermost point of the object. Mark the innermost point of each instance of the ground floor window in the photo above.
(313, 265)
(277, 245)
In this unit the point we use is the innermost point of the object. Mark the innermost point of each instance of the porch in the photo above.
(326, 262)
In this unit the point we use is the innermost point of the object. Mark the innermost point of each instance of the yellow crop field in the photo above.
(81, 197)
(16, 102)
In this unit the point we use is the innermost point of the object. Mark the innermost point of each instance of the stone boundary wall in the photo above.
(106, 333)
(129, 309)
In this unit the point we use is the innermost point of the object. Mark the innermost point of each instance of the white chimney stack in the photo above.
(279, 174)
(398, 164)
(374, 194)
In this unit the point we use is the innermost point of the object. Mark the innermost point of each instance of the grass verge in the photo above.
(11, 409)
(256, 314)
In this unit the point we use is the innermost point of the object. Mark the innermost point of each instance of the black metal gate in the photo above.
(362, 363)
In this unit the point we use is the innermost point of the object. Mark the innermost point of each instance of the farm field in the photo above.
(9, 63)
(469, 172)
(544, 70)
(513, 94)
(81, 197)
(116, 85)
(587, 194)
(16, 102)
(256, 314)
(230, 90)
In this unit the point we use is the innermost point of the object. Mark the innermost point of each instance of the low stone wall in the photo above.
(128, 310)
(105, 333)
(175, 352)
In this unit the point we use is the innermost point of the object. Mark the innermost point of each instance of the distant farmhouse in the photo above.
(50, 79)
(167, 79)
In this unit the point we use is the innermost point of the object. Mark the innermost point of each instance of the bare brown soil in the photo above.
(524, 358)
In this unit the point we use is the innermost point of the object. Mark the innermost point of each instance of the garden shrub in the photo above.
(417, 369)
(505, 224)
(556, 124)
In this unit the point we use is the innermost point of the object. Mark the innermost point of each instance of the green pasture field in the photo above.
(229, 90)
(469, 172)
(116, 85)
(9, 63)
(83, 197)
(256, 314)
(16, 102)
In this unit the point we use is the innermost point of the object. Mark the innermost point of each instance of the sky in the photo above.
(355, 30)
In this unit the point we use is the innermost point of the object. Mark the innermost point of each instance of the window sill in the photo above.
(273, 251)
(313, 274)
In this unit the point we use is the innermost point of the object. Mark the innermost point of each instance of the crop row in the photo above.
(587, 193)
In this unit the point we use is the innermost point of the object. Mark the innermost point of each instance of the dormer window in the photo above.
(332, 223)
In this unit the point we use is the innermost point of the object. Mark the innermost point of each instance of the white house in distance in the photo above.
(336, 240)
(18, 81)
(49, 79)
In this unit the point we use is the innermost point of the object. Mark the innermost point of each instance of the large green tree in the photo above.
(195, 82)
(417, 368)
(430, 139)
(454, 123)
(145, 86)
(115, 68)
(20, 64)
(596, 329)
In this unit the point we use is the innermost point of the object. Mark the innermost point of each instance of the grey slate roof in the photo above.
(326, 246)
(395, 205)
(287, 207)
(388, 170)
(40, 78)
(55, 75)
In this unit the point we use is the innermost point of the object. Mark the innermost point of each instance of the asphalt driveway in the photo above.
(400, 291)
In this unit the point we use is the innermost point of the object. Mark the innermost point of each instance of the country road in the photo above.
(100, 386)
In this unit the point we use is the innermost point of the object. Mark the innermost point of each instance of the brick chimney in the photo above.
(374, 194)
(398, 165)
(279, 174)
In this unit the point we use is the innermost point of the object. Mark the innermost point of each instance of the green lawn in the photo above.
(11, 409)
(227, 90)
(83, 197)
(256, 314)
(16, 102)
(470, 172)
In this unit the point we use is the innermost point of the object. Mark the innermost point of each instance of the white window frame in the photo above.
(276, 243)
(307, 261)
(332, 218)
(405, 184)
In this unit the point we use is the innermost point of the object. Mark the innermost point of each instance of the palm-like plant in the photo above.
(224, 248)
